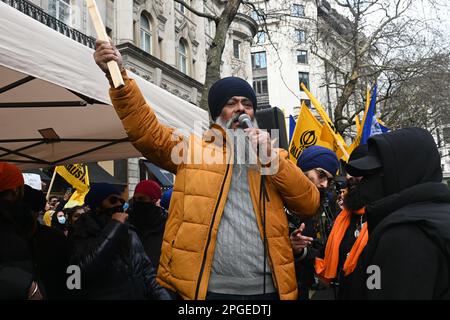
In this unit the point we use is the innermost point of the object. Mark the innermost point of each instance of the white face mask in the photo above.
(62, 220)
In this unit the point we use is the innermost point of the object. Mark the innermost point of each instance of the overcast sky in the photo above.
(438, 19)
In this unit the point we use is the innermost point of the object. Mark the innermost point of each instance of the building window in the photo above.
(303, 77)
(236, 49)
(255, 16)
(182, 56)
(302, 56)
(183, 8)
(210, 25)
(259, 60)
(298, 10)
(446, 134)
(307, 102)
(60, 9)
(146, 34)
(260, 85)
(300, 36)
(260, 37)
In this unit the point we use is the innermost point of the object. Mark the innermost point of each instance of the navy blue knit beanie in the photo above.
(98, 193)
(318, 157)
(222, 90)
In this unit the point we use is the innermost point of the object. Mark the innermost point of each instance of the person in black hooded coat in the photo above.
(148, 218)
(149, 221)
(408, 215)
(110, 255)
(18, 277)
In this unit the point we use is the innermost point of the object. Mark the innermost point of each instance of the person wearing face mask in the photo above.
(49, 249)
(59, 222)
(109, 253)
(148, 218)
(18, 277)
(347, 239)
(408, 219)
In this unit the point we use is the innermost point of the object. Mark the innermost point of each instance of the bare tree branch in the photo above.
(198, 13)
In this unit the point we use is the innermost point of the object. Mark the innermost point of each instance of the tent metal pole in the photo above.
(44, 104)
(23, 148)
(16, 84)
(25, 156)
(91, 150)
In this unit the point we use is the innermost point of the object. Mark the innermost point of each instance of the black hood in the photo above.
(429, 192)
(409, 157)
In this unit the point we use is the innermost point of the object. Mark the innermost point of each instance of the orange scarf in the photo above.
(327, 268)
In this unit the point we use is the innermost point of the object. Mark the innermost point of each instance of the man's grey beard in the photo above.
(227, 124)
(243, 152)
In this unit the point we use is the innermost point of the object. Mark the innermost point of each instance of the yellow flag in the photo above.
(76, 175)
(357, 123)
(341, 151)
(307, 133)
(77, 199)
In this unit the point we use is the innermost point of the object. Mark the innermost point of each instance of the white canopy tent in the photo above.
(54, 102)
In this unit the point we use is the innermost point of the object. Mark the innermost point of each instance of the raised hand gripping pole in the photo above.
(113, 67)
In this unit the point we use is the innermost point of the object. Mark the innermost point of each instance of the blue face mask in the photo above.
(62, 220)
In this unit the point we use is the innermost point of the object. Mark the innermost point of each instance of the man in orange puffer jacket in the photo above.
(220, 212)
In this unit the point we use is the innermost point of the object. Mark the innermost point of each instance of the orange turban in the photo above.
(10, 176)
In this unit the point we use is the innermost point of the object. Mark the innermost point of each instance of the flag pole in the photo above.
(326, 120)
(113, 67)
(51, 185)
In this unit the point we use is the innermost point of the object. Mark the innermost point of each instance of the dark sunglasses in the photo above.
(113, 200)
(323, 175)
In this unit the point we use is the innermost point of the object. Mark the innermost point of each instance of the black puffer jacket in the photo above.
(112, 261)
(17, 269)
(408, 251)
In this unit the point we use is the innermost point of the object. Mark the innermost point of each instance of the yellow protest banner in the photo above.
(77, 199)
(327, 137)
(77, 176)
(338, 140)
(307, 133)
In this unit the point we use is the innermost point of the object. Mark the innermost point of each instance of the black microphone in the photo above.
(245, 121)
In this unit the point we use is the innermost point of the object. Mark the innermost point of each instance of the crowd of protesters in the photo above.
(377, 227)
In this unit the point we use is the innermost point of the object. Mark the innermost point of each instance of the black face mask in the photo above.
(110, 211)
(369, 190)
(144, 215)
(105, 214)
(353, 200)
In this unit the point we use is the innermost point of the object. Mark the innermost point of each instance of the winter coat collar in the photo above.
(425, 192)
